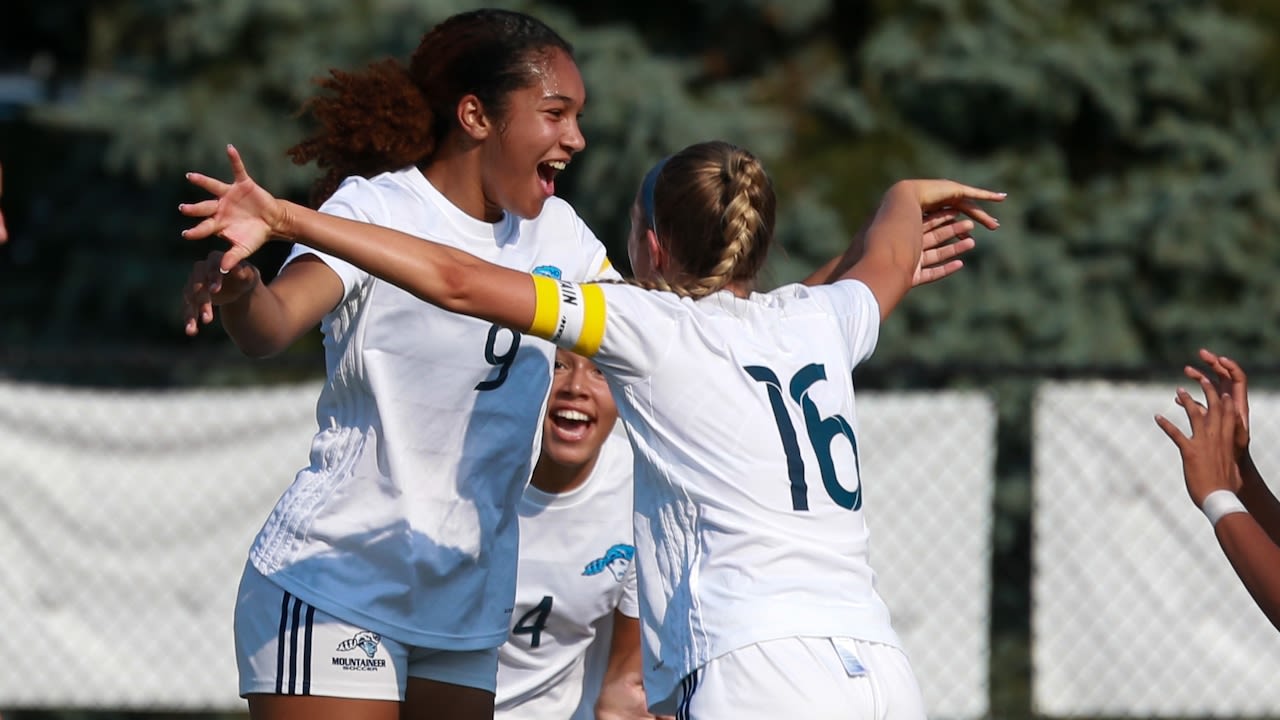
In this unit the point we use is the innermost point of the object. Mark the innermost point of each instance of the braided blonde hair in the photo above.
(713, 211)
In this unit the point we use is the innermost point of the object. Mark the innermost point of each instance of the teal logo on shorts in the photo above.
(616, 560)
(550, 271)
(368, 643)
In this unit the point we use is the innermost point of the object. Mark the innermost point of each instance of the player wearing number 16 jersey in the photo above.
(757, 597)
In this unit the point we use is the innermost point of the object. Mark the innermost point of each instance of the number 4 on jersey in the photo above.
(821, 432)
(538, 615)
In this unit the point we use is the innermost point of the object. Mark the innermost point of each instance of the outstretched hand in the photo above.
(948, 194)
(951, 213)
(1208, 455)
(1229, 379)
(243, 214)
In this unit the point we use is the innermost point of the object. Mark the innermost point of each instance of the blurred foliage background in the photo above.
(1137, 141)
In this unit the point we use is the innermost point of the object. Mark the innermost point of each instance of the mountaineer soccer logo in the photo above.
(366, 642)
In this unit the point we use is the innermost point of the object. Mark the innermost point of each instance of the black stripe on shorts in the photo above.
(284, 626)
(306, 651)
(287, 673)
(688, 686)
(293, 647)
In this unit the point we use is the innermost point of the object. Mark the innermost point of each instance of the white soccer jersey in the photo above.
(576, 567)
(749, 516)
(405, 520)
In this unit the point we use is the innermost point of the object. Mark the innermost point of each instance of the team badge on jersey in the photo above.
(615, 560)
(550, 271)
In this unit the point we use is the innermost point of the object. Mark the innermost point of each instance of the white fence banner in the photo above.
(1135, 610)
(125, 523)
(126, 520)
(928, 467)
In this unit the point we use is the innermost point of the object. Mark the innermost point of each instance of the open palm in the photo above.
(243, 214)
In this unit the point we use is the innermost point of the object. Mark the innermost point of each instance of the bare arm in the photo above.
(443, 276)
(271, 317)
(892, 248)
(247, 216)
(262, 319)
(840, 264)
(1258, 498)
(1256, 559)
(622, 692)
(1209, 466)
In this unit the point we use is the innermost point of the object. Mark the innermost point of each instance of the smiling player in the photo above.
(402, 531)
(575, 632)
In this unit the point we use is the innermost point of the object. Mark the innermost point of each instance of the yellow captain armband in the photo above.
(568, 314)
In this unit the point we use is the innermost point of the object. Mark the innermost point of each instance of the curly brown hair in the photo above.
(391, 115)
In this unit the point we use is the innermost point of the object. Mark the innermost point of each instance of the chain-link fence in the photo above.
(127, 514)
(1135, 609)
(125, 523)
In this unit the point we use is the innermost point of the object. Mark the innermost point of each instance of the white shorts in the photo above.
(287, 647)
(804, 677)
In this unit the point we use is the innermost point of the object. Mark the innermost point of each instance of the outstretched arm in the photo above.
(247, 216)
(1255, 558)
(894, 239)
(1212, 479)
(1257, 497)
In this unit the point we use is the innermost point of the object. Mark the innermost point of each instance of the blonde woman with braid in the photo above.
(756, 596)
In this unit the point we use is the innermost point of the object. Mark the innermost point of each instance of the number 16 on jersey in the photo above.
(821, 432)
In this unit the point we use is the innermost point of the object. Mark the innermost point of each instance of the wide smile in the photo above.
(571, 425)
(547, 172)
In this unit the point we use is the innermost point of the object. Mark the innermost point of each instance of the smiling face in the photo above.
(536, 138)
(580, 412)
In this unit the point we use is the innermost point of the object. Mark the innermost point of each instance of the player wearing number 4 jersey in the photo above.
(751, 534)
(575, 625)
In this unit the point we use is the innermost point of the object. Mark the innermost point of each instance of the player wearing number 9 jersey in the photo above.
(414, 391)
(386, 572)
(751, 535)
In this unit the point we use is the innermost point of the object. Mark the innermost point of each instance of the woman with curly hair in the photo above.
(382, 583)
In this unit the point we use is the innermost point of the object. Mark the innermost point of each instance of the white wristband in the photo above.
(1220, 503)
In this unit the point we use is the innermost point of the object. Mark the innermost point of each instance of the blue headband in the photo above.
(646, 192)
